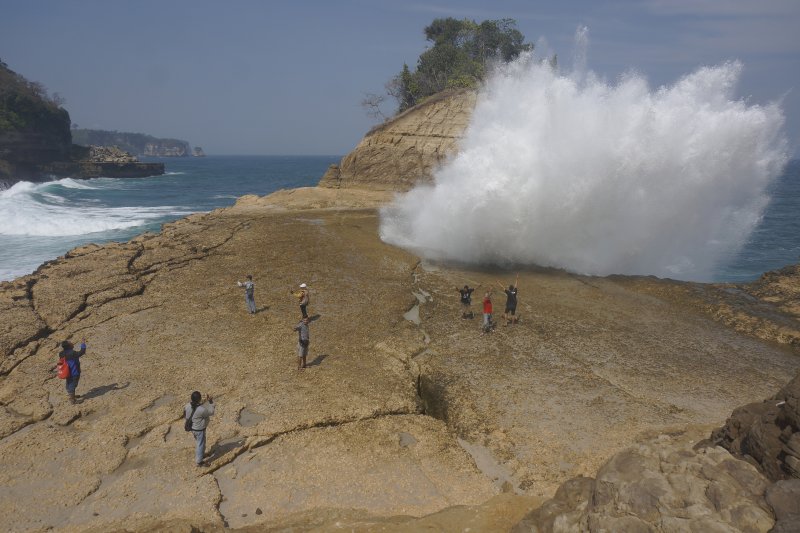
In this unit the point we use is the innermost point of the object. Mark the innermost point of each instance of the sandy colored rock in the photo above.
(767, 433)
(406, 149)
(404, 465)
(594, 365)
(660, 485)
(591, 367)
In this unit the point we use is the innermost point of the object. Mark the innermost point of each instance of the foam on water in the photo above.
(38, 209)
(569, 171)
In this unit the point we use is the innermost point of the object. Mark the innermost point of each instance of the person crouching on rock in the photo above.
(199, 414)
(74, 362)
(303, 341)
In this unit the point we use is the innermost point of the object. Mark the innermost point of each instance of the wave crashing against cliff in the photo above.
(568, 171)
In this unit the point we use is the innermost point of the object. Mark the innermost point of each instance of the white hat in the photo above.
(302, 285)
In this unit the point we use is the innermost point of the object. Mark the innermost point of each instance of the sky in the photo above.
(287, 77)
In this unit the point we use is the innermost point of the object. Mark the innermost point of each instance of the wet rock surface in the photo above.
(398, 423)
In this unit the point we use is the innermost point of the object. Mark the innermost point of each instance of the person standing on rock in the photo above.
(303, 340)
(511, 301)
(303, 298)
(73, 359)
(466, 300)
(199, 413)
(249, 294)
(487, 312)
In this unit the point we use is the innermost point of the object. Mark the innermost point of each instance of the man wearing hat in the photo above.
(302, 297)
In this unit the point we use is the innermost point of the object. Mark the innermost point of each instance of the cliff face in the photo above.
(36, 141)
(407, 149)
(34, 129)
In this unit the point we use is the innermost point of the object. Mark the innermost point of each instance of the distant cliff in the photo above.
(36, 142)
(135, 143)
(406, 149)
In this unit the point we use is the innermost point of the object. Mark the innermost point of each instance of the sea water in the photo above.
(563, 168)
(40, 221)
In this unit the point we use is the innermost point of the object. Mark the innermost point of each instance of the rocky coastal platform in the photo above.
(593, 413)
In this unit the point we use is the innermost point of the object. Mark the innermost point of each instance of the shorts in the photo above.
(511, 310)
(466, 304)
(302, 351)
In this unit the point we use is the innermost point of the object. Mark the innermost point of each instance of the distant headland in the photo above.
(136, 143)
(36, 142)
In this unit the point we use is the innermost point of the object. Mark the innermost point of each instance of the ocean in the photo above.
(40, 221)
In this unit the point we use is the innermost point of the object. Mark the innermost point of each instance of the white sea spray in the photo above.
(570, 171)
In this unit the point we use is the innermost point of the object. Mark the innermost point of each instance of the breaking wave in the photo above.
(569, 171)
(46, 209)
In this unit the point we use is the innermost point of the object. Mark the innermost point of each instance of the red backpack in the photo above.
(63, 368)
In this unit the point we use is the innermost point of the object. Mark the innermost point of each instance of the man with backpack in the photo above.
(196, 417)
(72, 360)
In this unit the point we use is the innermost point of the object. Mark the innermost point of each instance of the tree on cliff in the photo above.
(459, 57)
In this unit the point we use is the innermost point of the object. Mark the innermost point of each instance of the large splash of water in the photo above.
(569, 171)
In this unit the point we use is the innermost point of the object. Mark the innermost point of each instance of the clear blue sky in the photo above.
(286, 77)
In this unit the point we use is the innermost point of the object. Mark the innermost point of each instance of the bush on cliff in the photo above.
(461, 52)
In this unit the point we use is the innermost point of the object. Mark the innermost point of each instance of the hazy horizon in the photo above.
(253, 78)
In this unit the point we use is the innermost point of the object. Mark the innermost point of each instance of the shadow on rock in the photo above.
(317, 360)
(99, 391)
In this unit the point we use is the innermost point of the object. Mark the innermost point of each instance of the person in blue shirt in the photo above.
(73, 359)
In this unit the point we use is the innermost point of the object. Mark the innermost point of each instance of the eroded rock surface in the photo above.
(662, 485)
(407, 417)
(405, 150)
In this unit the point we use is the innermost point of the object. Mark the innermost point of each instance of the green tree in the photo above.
(460, 54)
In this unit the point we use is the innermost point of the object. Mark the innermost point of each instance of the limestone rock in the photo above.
(661, 485)
(767, 433)
(592, 367)
(405, 150)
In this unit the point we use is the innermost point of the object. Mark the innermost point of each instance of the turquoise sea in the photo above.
(40, 221)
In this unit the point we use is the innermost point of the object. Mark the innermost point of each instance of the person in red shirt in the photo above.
(487, 312)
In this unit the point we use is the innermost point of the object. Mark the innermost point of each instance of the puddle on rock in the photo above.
(406, 439)
(412, 315)
(249, 418)
(491, 468)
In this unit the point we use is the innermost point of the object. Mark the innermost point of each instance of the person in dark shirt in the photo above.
(510, 313)
(466, 300)
(72, 357)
